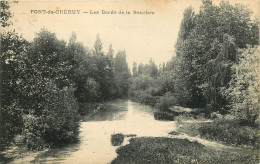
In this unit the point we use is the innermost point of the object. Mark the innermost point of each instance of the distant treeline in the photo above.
(43, 81)
(216, 65)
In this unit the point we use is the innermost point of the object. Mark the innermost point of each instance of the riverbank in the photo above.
(171, 150)
(184, 146)
(196, 140)
(212, 126)
(153, 141)
(221, 130)
(17, 150)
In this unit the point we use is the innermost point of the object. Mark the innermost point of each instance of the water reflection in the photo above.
(95, 146)
(115, 110)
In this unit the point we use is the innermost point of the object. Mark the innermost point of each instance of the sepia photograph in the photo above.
(130, 81)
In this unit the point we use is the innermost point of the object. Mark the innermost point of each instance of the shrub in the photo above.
(144, 90)
(10, 124)
(163, 115)
(45, 94)
(165, 101)
(117, 139)
(62, 119)
(32, 131)
(56, 124)
(144, 97)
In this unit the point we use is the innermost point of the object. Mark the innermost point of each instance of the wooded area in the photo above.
(43, 81)
(216, 67)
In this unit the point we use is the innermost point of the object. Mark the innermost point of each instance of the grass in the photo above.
(190, 128)
(225, 131)
(159, 150)
(230, 132)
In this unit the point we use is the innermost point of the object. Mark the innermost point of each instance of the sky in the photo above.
(141, 36)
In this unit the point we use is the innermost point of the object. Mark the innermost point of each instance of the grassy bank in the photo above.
(190, 128)
(230, 132)
(225, 131)
(169, 150)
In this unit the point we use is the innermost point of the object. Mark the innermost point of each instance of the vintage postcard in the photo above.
(129, 81)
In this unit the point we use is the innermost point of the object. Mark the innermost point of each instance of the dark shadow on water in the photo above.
(115, 110)
(4, 159)
(56, 154)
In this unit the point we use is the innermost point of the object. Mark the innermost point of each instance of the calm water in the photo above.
(124, 117)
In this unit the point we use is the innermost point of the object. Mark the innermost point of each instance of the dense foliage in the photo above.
(37, 97)
(97, 76)
(208, 40)
(43, 81)
(208, 70)
(243, 92)
(143, 87)
(216, 67)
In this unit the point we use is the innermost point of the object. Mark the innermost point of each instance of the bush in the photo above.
(230, 132)
(143, 90)
(162, 115)
(45, 94)
(10, 124)
(165, 101)
(117, 139)
(144, 97)
(56, 125)
(32, 131)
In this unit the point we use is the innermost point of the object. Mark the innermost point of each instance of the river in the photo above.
(95, 147)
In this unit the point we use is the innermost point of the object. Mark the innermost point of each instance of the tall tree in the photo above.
(140, 68)
(98, 47)
(134, 69)
(121, 73)
(200, 41)
(12, 47)
(104, 74)
(83, 67)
